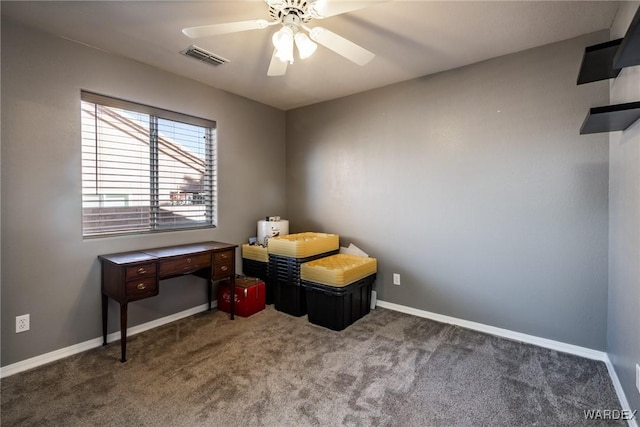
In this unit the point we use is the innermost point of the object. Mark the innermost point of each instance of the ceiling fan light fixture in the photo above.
(306, 47)
(285, 55)
(283, 42)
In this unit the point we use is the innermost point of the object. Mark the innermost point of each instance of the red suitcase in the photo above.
(249, 298)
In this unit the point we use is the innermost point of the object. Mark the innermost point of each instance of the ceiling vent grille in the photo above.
(204, 56)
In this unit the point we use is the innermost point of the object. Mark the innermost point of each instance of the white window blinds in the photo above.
(145, 169)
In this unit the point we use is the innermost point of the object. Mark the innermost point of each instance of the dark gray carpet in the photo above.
(271, 369)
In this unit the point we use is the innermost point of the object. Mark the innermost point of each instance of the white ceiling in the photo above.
(410, 39)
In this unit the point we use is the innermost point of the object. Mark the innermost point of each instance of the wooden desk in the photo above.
(135, 275)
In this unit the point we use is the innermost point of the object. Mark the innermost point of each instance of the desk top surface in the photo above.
(154, 254)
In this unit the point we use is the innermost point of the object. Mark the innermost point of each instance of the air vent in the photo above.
(204, 56)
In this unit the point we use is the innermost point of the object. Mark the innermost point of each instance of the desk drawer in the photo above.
(223, 257)
(141, 270)
(185, 264)
(142, 288)
(222, 270)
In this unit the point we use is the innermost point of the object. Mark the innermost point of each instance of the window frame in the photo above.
(156, 114)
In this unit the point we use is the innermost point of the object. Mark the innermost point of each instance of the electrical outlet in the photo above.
(396, 279)
(638, 377)
(22, 323)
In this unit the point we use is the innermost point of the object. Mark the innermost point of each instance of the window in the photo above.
(145, 169)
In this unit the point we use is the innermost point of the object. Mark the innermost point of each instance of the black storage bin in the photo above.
(284, 278)
(260, 270)
(338, 307)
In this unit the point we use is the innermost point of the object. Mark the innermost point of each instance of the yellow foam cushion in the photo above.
(255, 252)
(302, 245)
(338, 270)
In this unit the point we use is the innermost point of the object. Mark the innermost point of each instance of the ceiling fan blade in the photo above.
(324, 9)
(277, 67)
(341, 46)
(229, 27)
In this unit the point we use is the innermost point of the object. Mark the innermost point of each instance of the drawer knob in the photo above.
(188, 260)
(142, 270)
(224, 268)
(141, 286)
(223, 256)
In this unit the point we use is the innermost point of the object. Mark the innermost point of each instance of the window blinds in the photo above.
(145, 169)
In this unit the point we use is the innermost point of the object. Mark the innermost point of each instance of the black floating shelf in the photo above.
(597, 62)
(628, 54)
(610, 118)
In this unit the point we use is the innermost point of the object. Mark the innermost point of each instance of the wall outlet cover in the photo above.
(22, 323)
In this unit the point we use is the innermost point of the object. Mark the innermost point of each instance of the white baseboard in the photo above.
(529, 339)
(620, 392)
(505, 333)
(97, 342)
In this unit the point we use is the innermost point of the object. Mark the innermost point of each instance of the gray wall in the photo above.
(48, 270)
(474, 185)
(623, 332)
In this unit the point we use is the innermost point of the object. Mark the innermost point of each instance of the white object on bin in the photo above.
(269, 229)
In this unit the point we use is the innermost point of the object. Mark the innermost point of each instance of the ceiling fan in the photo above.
(293, 17)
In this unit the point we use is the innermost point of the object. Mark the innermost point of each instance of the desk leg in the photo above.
(105, 310)
(233, 294)
(123, 332)
(210, 292)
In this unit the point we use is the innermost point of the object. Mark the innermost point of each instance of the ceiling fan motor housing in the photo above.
(280, 9)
